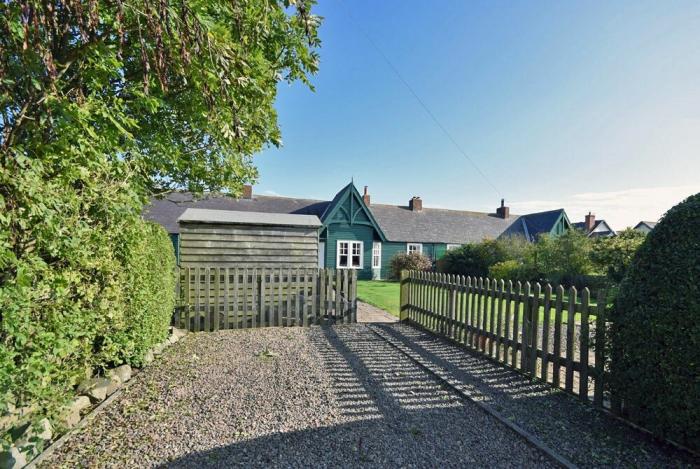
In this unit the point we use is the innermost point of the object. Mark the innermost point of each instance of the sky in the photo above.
(587, 106)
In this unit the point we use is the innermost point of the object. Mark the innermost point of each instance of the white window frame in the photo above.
(418, 246)
(376, 255)
(350, 246)
(453, 246)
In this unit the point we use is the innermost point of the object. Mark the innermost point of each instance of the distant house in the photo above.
(357, 234)
(595, 228)
(645, 226)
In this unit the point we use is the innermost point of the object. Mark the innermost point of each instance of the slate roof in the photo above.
(398, 222)
(433, 225)
(203, 215)
(166, 211)
(534, 224)
(650, 224)
(593, 233)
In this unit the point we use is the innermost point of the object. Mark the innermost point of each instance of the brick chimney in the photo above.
(247, 192)
(415, 204)
(503, 211)
(590, 222)
(365, 197)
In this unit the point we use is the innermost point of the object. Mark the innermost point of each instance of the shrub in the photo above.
(473, 259)
(413, 261)
(511, 270)
(655, 337)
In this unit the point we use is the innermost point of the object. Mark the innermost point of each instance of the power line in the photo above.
(420, 101)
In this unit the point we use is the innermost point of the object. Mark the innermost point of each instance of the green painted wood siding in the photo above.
(433, 250)
(344, 231)
(175, 239)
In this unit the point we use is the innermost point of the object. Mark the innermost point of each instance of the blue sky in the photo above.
(582, 105)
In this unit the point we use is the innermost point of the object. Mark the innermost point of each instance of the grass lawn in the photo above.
(382, 294)
(386, 295)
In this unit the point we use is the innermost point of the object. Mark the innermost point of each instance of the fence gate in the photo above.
(213, 298)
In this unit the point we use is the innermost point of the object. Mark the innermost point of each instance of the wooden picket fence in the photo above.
(213, 298)
(523, 326)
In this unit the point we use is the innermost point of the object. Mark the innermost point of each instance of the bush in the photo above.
(655, 337)
(473, 259)
(511, 270)
(85, 283)
(413, 261)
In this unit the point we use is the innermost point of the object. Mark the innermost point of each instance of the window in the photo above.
(376, 255)
(414, 247)
(452, 246)
(349, 255)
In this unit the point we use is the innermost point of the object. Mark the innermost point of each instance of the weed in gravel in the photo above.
(415, 431)
(267, 354)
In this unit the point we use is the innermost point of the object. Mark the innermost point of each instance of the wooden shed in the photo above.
(224, 238)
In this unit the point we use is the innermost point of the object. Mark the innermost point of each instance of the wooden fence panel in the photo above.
(523, 326)
(214, 298)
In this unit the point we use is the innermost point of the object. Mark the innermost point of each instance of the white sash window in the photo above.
(349, 255)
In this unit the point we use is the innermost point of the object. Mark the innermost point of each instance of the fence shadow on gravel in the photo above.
(392, 413)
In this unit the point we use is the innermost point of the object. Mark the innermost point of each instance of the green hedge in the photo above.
(85, 282)
(656, 329)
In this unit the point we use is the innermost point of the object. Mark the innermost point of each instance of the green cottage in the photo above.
(357, 234)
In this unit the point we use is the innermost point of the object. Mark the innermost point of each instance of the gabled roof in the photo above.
(649, 224)
(534, 224)
(231, 217)
(600, 229)
(166, 211)
(350, 192)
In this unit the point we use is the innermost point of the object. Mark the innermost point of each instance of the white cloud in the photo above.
(619, 208)
(270, 192)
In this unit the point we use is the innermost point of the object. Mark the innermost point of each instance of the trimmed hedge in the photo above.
(655, 337)
(85, 282)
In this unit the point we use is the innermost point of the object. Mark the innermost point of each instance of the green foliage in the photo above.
(614, 255)
(558, 258)
(511, 270)
(183, 92)
(102, 104)
(656, 329)
(474, 259)
(413, 261)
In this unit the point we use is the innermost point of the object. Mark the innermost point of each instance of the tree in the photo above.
(613, 255)
(558, 258)
(177, 94)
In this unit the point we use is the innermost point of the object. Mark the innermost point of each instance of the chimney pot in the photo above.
(247, 191)
(415, 204)
(503, 211)
(366, 197)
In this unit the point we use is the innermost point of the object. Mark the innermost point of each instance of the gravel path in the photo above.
(584, 435)
(292, 397)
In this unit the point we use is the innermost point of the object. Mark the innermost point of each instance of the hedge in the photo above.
(85, 282)
(655, 337)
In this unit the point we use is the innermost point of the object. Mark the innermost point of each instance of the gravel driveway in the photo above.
(292, 397)
(337, 397)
